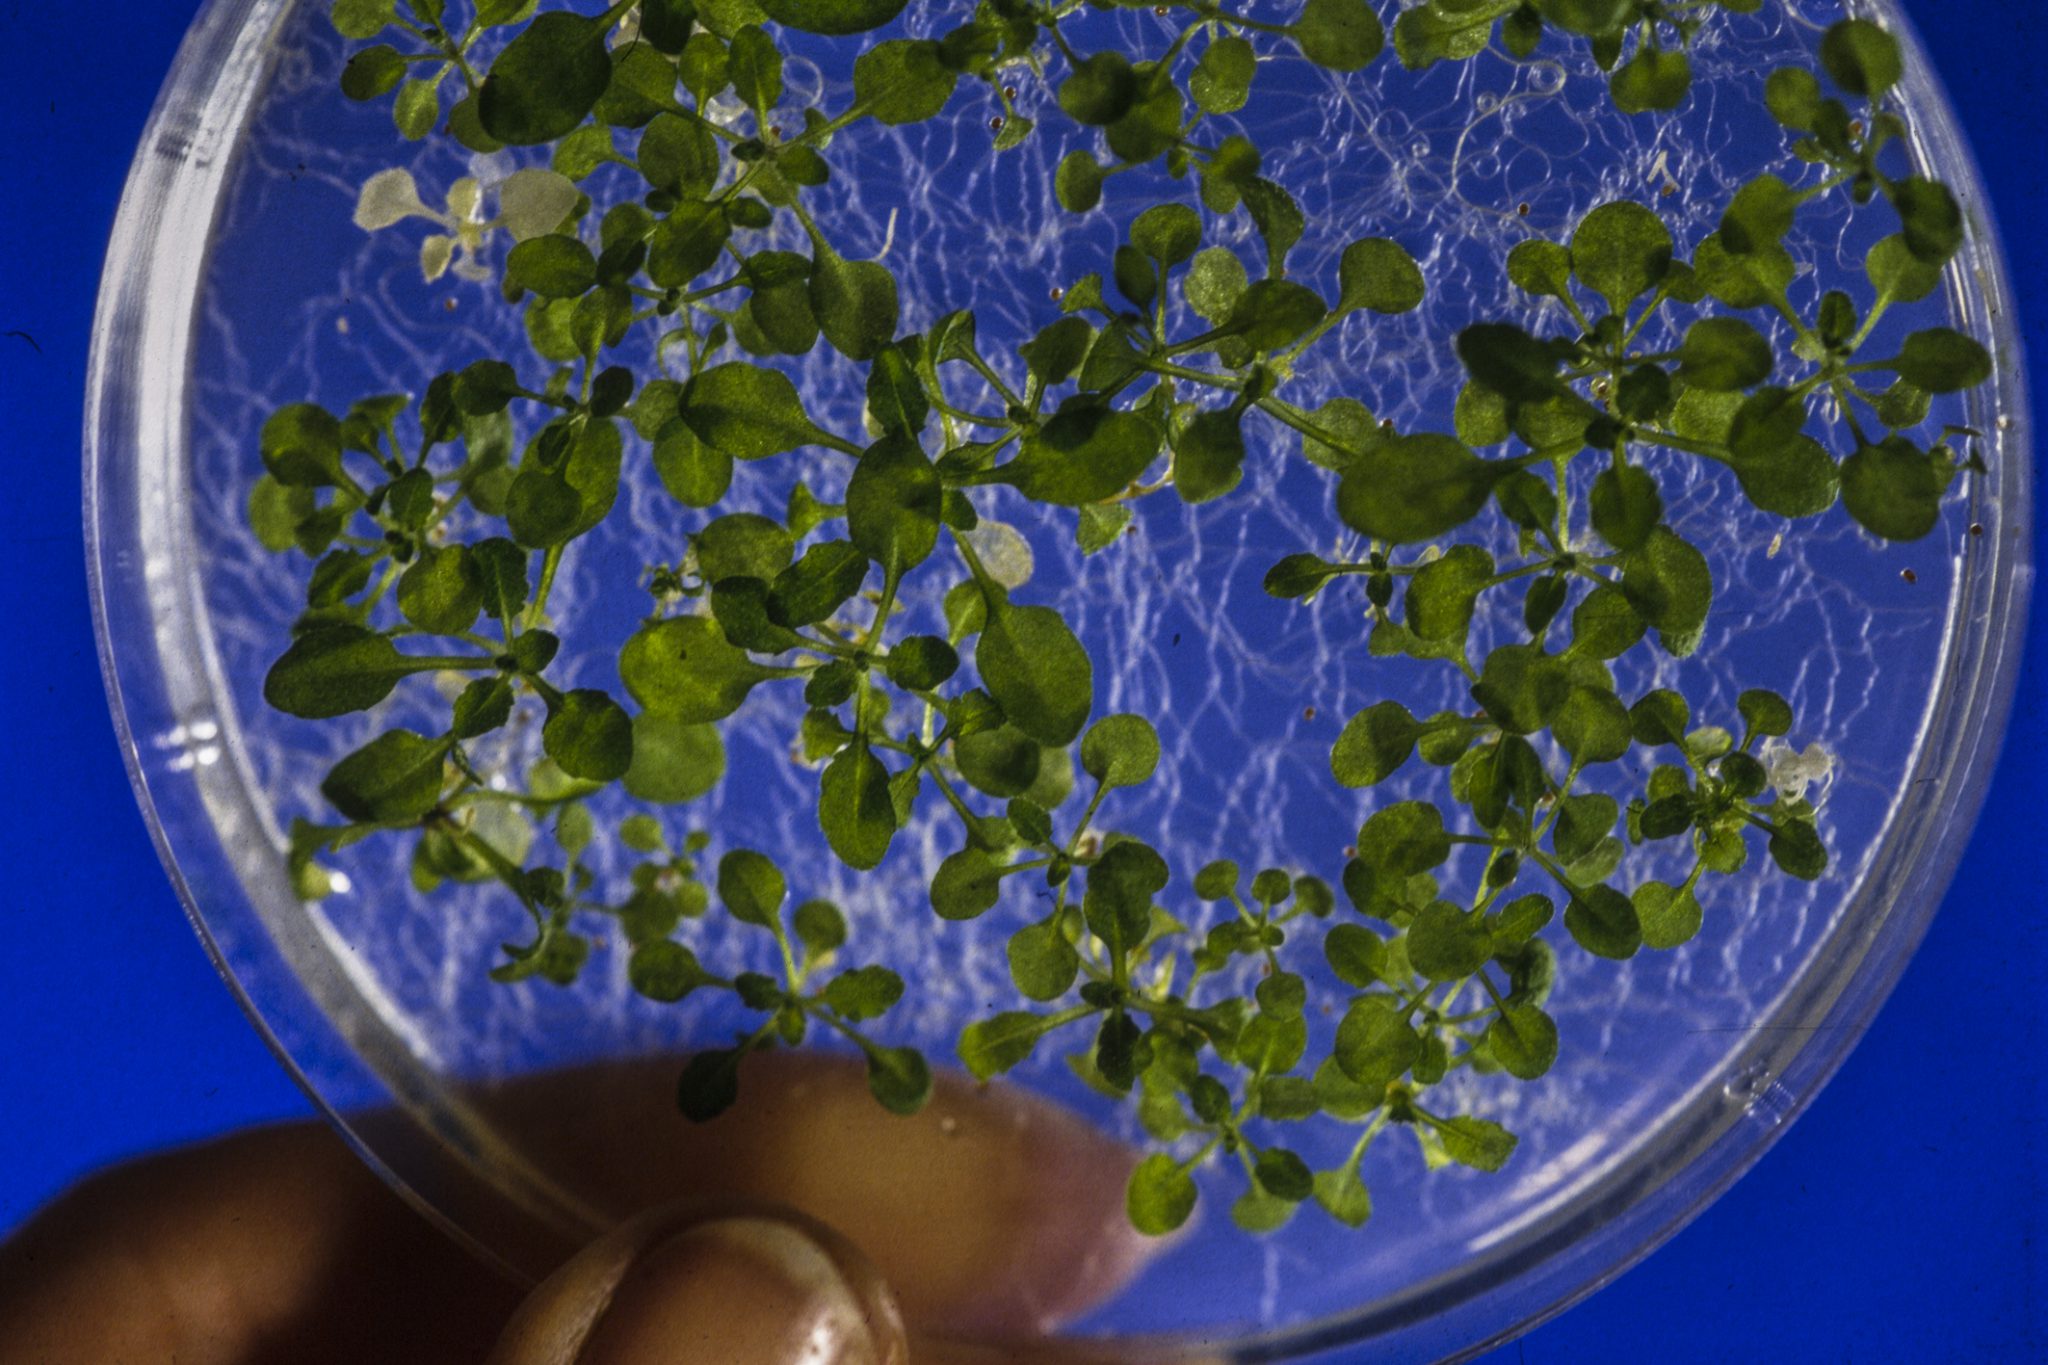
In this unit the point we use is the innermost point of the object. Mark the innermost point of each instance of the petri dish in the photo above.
(236, 281)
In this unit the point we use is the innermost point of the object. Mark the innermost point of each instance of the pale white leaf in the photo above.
(387, 197)
(533, 202)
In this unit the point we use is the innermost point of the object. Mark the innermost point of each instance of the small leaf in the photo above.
(1414, 488)
(334, 670)
(899, 1078)
(1160, 1195)
(1724, 354)
(1479, 1143)
(395, 777)
(710, 1084)
(1120, 751)
(1037, 672)
(1343, 35)
(589, 736)
(832, 17)
(1670, 916)
(1379, 274)
(1861, 57)
(1375, 1045)
(1374, 744)
(1523, 1040)
(855, 809)
(752, 887)
(855, 302)
(864, 993)
(547, 80)
(1621, 251)
(966, 885)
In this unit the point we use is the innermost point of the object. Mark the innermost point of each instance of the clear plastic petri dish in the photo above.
(236, 281)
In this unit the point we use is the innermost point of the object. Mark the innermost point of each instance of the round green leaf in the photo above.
(1861, 57)
(1375, 1046)
(1414, 488)
(589, 736)
(1724, 354)
(664, 971)
(334, 670)
(892, 504)
(673, 761)
(1943, 360)
(751, 886)
(1374, 744)
(1160, 1195)
(899, 1079)
(1603, 922)
(1670, 916)
(1621, 251)
(966, 885)
(1379, 274)
(1343, 35)
(1120, 751)
(1892, 489)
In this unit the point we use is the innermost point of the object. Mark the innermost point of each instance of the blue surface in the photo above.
(1897, 1221)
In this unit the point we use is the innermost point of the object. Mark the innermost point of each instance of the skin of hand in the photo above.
(806, 1227)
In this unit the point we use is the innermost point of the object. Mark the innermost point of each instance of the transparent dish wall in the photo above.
(237, 282)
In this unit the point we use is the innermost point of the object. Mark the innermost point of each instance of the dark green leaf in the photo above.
(1603, 922)
(1208, 455)
(854, 807)
(589, 736)
(1037, 672)
(1523, 1039)
(334, 670)
(864, 993)
(1343, 35)
(892, 504)
(665, 971)
(1942, 360)
(899, 1078)
(1085, 453)
(547, 80)
(395, 777)
(752, 887)
(1655, 78)
(903, 80)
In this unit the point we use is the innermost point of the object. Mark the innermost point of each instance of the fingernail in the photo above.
(745, 1290)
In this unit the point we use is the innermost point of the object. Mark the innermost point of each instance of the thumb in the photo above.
(736, 1286)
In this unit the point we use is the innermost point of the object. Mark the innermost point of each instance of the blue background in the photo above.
(1897, 1221)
